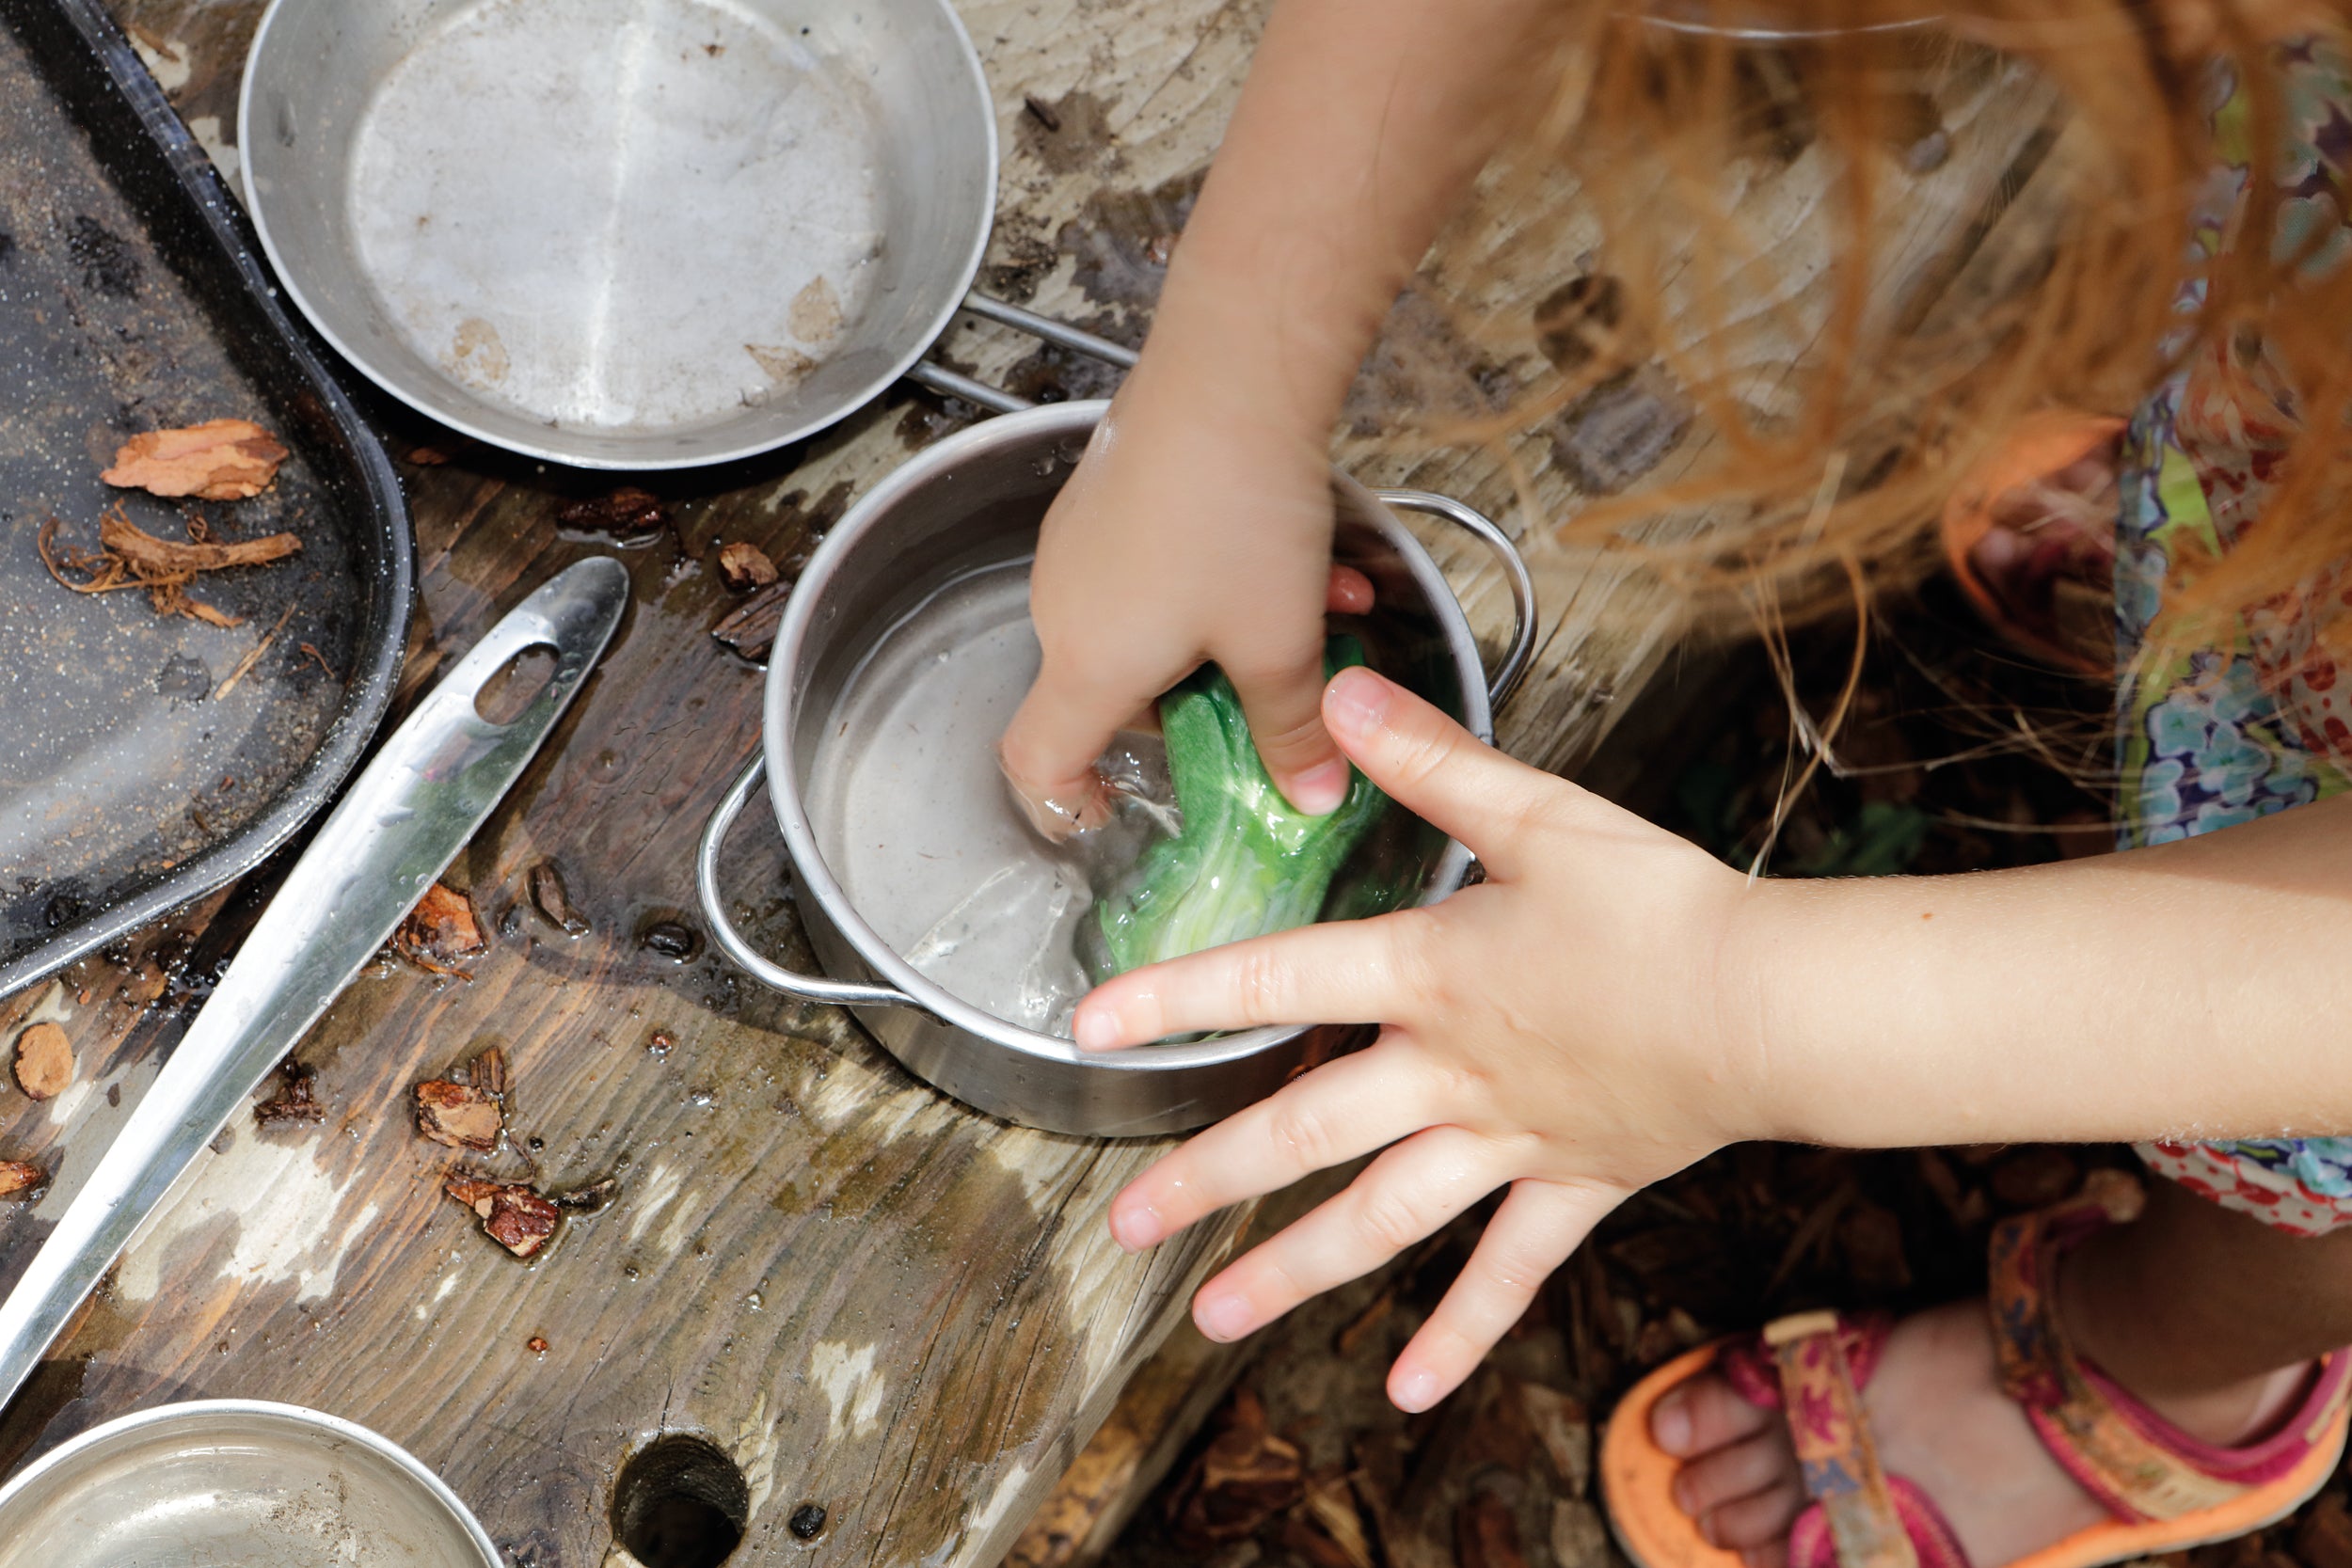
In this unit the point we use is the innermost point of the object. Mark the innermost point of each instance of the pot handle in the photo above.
(1512, 668)
(1059, 333)
(807, 988)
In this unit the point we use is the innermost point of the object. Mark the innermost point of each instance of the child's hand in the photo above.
(1559, 1029)
(1195, 529)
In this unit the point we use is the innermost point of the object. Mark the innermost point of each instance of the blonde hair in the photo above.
(1829, 416)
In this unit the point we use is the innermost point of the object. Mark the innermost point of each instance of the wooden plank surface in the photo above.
(876, 1303)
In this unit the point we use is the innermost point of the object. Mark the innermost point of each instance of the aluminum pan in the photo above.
(569, 228)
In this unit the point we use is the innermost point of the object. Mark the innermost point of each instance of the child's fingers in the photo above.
(1346, 972)
(1538, 1226)
(1340, 1111)
(1048, 750)
(1350, 592)
(1439, 771)
(1402, 1199)
(1283, 700)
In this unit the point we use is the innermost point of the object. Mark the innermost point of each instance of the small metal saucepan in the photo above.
(971, 503)
(234, 1484)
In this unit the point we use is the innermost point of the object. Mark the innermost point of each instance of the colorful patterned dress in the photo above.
(2222, 735)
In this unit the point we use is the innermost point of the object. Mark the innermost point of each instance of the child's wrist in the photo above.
(1782, 1082)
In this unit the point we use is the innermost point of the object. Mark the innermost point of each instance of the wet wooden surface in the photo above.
(874, 1302)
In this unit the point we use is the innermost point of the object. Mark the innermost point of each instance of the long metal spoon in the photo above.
(413, 807)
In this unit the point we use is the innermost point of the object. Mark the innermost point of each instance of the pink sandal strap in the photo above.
(1811, 1544)
(2129, 1457)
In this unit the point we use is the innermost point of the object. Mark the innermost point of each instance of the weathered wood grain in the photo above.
(874, 1301)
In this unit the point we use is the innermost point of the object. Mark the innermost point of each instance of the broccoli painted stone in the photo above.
(1247, 863)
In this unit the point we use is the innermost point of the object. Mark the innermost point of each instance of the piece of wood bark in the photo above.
(44, 1061)
(220, 460)
(745, 566)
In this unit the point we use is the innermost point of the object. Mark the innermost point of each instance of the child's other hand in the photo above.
(1560, 1029)
(1195, 529)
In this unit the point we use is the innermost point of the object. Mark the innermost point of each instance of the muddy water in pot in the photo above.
(918, 827)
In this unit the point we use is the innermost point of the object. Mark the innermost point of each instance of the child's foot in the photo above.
(1942, 1420)
(2031, 540)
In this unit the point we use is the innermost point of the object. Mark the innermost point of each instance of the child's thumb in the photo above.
(1438, 769)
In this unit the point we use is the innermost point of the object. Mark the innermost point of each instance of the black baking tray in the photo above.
(133, 298)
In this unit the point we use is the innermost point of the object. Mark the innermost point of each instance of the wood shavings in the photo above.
(44, 1061)
(220, 460)
(253, 657)
(128, 557)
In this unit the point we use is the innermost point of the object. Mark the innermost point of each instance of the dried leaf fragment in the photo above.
(1245, 1477)
(468, 1109)
(1331, 1504)
(44, 1061)
(516, 1217)
(20, 1176)
(220, 460)
(555, 899)
(1485, 1535)
(294, 1101)
(459, 1116)
(745, 566)
(1562, 1428)
(625, 511)
(440, 930)
(1580, 1537)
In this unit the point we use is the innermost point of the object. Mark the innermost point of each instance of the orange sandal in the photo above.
(2041, 445)
(2165, 1489)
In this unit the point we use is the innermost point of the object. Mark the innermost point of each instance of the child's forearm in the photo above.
(1360, 128)
(2197, 989)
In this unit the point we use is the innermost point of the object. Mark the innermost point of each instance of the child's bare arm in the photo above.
(1613, 1004)
(1199, 525)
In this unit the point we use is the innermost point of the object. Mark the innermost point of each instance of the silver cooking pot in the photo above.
(973, 501)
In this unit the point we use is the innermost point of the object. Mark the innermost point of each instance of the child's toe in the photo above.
(1742, 1469)
(1704, 1415)
(1755, 1522)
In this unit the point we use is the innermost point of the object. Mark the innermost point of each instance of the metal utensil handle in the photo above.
(1512, 668)
(807, 988)
(404, 819)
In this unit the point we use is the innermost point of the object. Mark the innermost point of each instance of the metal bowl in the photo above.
(234, 1484)
(647, 236)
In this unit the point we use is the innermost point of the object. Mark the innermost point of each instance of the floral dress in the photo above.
(2218, 736)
